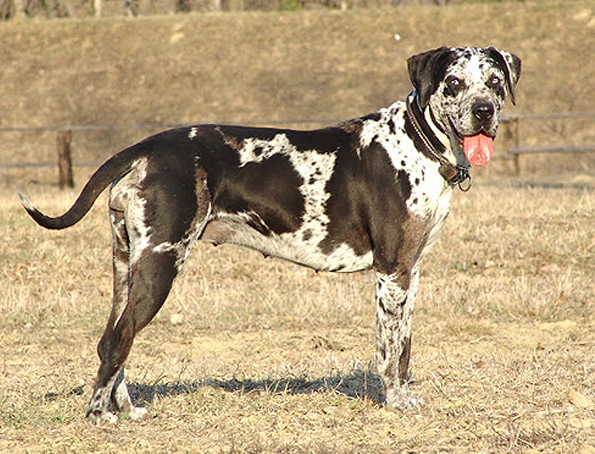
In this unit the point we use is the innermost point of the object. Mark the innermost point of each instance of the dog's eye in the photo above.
(453, 82)
(454, 85)
(494, 82)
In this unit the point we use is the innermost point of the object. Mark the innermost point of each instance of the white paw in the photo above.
(137, 413)
(401, 399)
(103, 417)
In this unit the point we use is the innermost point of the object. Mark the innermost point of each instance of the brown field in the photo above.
(260, 356)
(252, 355)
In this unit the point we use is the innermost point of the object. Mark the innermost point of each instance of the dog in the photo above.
(369, 193)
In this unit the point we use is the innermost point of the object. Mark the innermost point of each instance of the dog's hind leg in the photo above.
(151, 241)
(104, 399)
(150, 281)
(121, 255)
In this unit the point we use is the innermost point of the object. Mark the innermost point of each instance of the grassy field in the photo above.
(252, 355)
(261, 67)
(260, 356)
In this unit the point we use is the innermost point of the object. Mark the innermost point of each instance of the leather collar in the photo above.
(453, 174)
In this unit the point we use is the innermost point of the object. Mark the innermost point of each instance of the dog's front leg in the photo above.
(394, 310)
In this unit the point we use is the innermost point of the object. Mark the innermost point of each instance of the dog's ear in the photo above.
(511, 65)
(427, 70)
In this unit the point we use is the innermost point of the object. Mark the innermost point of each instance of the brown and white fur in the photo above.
(367, 193)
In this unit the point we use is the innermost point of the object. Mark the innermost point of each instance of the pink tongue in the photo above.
(478, 149)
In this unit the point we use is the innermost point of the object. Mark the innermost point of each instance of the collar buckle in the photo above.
(464, 180)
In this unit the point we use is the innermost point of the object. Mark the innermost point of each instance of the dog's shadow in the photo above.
(360, 384)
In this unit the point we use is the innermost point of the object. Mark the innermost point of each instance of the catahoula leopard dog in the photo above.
(372, 192)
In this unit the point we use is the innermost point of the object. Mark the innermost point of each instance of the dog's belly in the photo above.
(288, 246)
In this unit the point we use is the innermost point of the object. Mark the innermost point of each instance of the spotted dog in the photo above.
(372, 192)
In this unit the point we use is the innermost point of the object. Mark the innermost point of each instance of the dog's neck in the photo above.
(437, 143)
(433, 137)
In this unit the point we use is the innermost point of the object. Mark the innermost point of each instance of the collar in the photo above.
(453, 174)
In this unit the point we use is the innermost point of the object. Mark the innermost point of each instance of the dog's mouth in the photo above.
(478, 148)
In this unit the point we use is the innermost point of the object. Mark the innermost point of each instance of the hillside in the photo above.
(258, 67)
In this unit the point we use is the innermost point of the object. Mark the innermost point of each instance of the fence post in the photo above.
(97, 8)
(66, 178)
(232, 5)
(517, 141)
(512, 136)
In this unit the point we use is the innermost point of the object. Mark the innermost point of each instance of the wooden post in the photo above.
(66, 178)
(97, 8)
(232, 5)
(517, 141)
(20, 9)
(511, 135)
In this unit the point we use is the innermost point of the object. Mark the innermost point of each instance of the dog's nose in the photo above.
(483, 111)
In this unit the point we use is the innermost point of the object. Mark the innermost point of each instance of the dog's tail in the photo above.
(111, 170)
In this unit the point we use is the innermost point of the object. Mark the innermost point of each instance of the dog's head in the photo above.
(464, 90)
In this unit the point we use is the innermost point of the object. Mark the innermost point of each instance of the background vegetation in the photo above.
(278, 68)
(79, 8)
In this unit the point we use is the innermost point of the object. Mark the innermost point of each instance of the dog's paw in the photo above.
(401, 399)
(137, 413)
(102, 417)
(107, 417)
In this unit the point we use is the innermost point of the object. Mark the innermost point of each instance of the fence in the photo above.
(511, 125)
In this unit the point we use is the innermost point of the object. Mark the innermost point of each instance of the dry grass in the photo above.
(252, 355)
